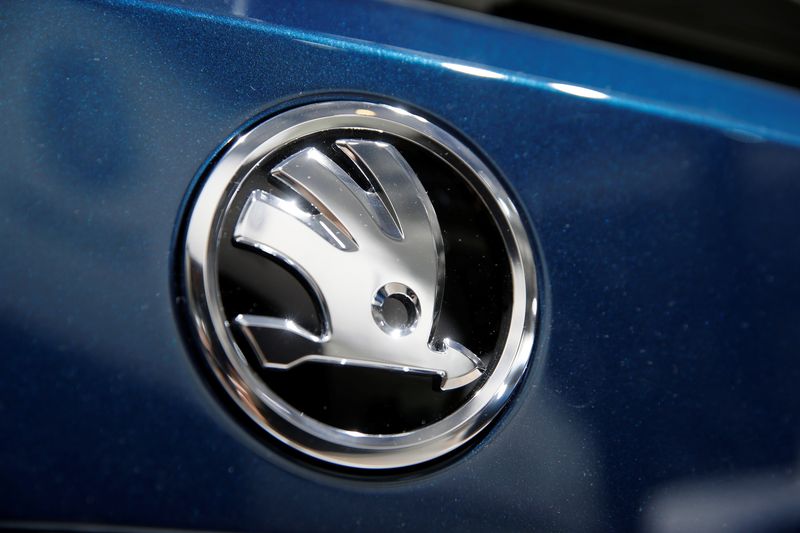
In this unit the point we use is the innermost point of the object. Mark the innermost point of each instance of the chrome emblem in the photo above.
(328, 281)
(370, 256)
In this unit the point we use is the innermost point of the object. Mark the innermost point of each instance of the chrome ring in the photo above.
(262, 405)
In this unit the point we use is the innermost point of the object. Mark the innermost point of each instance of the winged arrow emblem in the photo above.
(351, 245)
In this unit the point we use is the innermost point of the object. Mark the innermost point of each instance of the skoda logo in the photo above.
(360, 284)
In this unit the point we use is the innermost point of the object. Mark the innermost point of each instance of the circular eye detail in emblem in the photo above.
(360, 283)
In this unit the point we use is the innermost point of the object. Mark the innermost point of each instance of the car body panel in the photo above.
(663, 201)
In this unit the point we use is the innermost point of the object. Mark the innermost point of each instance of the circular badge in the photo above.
(360, 283)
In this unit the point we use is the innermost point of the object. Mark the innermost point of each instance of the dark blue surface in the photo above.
(667, 361)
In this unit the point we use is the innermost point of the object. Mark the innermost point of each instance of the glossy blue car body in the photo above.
(664, 200)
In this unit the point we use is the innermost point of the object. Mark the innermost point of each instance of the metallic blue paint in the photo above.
(668, 229)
